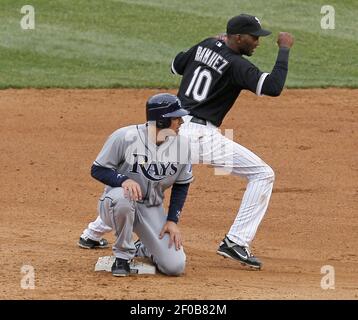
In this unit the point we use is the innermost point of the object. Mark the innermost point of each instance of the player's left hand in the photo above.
(174, 234)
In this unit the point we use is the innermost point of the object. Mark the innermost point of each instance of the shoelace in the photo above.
(247, 250)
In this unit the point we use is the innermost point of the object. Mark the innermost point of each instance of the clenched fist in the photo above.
(285, 40)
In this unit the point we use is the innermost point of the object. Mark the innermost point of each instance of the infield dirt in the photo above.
(49, 139)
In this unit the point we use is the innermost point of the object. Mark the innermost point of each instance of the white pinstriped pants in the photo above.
(209, 146)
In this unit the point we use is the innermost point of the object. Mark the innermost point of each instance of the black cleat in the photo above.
(229, 249)
(120, 268)
(88, 243)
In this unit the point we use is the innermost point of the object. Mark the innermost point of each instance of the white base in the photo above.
(136, 266)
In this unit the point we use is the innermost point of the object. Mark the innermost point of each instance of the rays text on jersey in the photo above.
(154, 171)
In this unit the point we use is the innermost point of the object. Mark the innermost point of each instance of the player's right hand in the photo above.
(132, 190)
(285, 40)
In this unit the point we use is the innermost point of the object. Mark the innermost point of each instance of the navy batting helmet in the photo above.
(162, 107)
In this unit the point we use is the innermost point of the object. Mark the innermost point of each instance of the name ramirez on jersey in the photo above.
(211, 58)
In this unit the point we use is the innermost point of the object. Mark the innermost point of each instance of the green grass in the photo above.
(113, 43)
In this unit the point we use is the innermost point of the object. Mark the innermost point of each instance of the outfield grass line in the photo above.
(132, 43)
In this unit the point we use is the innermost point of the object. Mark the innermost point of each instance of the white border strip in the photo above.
(260, 83)
(173, 69)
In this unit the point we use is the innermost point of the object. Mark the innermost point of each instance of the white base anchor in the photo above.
(137, 266)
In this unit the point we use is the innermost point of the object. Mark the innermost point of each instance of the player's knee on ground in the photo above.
(172, 267)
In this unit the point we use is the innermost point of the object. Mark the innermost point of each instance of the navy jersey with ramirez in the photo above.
(213, 77)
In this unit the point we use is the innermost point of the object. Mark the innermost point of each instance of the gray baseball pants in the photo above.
(125, 216)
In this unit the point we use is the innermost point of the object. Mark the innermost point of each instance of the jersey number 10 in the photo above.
(199, 84)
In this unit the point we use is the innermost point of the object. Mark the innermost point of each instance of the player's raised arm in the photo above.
(275, 81)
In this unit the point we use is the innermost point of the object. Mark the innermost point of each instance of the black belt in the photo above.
(198, 120)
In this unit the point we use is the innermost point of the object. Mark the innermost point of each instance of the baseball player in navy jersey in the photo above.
(136, 164)
(214, 72)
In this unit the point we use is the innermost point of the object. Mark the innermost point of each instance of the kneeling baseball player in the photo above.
(136, 164)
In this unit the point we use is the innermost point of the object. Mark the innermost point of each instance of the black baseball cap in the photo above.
(246, 24)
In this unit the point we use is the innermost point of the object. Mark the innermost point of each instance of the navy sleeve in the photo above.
(177, 200)
(108, 176)
(274, 82)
